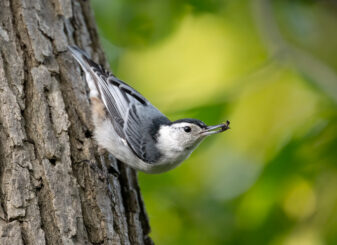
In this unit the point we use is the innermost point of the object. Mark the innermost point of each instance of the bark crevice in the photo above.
(56, 188)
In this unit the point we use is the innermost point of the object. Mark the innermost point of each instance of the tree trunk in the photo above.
(54, 186)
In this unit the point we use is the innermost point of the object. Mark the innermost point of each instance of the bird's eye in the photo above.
(187, 129)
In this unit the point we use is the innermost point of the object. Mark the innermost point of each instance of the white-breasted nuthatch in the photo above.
(132, 129)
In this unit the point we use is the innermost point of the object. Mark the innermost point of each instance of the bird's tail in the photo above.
(87, 65)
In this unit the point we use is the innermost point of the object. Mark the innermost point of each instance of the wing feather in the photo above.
(132, 116)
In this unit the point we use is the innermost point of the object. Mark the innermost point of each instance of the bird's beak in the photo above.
(209, 130)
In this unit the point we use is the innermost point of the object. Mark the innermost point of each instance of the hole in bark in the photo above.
(53, 160)
(39, 186)
(45, 90)
(87, 134)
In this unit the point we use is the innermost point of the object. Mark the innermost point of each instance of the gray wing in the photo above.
(134, 118)
(141, 125)
(137, 117)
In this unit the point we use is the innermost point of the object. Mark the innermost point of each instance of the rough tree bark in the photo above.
(54, 186)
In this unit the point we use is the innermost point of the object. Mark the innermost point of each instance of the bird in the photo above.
(134, 131)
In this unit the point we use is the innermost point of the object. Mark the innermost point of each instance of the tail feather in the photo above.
(87, 65)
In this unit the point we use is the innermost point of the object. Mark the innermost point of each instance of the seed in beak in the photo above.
(211, 129)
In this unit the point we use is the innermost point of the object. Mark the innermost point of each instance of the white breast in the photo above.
(107, 138)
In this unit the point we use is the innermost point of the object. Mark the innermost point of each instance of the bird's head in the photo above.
(186, 134)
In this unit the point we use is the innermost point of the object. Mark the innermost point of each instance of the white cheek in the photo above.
(168, 139)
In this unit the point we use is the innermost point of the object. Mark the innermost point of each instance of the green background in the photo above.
(270, 67)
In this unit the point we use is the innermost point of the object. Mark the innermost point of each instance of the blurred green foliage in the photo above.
(270, 67)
